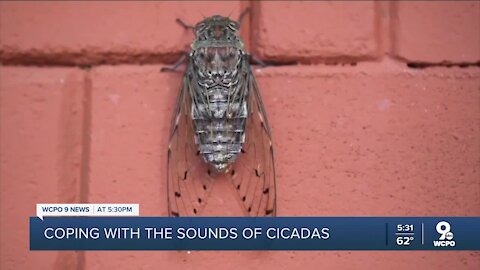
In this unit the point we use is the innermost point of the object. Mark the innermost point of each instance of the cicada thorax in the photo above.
(219, 107)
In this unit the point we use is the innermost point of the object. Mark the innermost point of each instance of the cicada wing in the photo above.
(254, 172)
(187, 174)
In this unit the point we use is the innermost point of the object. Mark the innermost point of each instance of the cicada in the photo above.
(219, 125)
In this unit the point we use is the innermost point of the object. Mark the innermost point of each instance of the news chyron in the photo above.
(119, 226)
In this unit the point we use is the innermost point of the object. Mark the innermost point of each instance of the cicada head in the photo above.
(217, 31)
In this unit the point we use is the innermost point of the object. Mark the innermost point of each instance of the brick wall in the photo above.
(374, 109)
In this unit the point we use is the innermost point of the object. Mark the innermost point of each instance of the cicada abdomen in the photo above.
(220, 126)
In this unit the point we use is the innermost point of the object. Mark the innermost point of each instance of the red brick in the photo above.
(88, 33)
(40, 150)
(131, 113)
(312, 31)
(435, 32)
(375, 140)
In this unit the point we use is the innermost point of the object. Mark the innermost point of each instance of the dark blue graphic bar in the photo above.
(241, 233)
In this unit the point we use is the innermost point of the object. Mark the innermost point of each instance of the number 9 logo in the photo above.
(443, 228)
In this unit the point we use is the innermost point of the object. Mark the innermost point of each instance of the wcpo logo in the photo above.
(446, 235)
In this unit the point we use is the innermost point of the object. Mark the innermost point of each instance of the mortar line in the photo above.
(86, 151)
(86, 137)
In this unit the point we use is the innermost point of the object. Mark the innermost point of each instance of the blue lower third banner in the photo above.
(242, 233)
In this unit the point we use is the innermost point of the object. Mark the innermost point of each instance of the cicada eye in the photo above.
(234, 26)
(199, 26)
